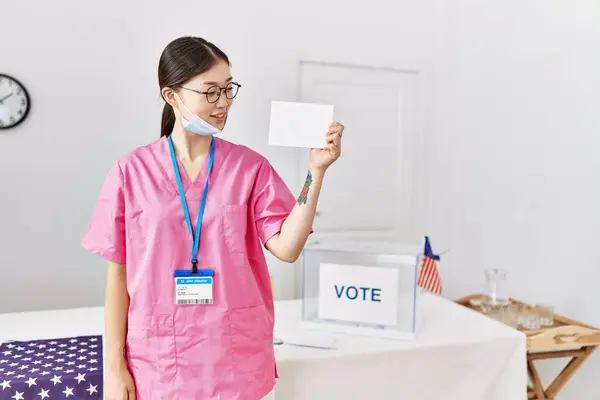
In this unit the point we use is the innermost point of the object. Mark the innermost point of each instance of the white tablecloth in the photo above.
(457, 355)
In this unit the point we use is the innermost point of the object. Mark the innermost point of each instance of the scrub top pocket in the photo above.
(235, 222)
(251, 336)
(165, 342)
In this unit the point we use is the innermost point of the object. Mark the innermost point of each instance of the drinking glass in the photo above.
(530, 319)
(546, 313)
(496, 289)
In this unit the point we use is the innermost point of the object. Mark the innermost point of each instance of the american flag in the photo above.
(429, 277)
(68, 368)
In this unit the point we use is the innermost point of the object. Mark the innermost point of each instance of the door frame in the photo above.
(419, 173)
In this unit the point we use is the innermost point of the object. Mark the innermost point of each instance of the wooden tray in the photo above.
(564, 334)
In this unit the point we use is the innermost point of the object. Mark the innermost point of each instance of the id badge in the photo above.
(194, 288)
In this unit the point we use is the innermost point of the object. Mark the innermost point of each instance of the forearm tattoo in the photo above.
(304, 194)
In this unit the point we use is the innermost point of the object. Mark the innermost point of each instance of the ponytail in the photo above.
(168, 121)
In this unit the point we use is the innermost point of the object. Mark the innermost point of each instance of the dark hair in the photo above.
(180, 61)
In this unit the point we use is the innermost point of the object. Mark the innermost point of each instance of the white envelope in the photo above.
(299, 124)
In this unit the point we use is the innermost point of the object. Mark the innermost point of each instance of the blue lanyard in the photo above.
(186, 211)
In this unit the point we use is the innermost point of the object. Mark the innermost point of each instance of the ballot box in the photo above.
(361, 286)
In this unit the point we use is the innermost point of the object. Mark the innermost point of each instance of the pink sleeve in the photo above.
(272, 201)
(105, 235)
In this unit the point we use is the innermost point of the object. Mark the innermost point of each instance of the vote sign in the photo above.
(356, 293)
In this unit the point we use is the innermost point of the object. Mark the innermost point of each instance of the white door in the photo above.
(369, 190)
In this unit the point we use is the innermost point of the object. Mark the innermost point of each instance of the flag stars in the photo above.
(92, 389)
(34, 367)
(18, 396)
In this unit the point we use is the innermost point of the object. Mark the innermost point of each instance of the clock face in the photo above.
(14, 102)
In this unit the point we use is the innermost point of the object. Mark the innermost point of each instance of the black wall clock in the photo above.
(14, 102)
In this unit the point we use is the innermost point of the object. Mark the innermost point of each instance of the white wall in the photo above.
(515, 168)
(512, 129)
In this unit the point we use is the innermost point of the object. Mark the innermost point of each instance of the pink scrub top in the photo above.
(217, 351)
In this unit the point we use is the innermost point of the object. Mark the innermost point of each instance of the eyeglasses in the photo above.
(213, 94)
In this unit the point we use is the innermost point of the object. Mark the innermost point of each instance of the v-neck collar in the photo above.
(192, 189)
(201, 172)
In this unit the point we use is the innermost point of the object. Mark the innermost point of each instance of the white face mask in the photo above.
(197, 125)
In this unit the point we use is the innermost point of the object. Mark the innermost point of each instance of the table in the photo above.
(565, 338)
(457, 355)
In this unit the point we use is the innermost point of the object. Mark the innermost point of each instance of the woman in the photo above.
(182, 221)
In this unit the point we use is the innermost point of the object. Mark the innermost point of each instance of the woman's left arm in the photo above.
(287, 245)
